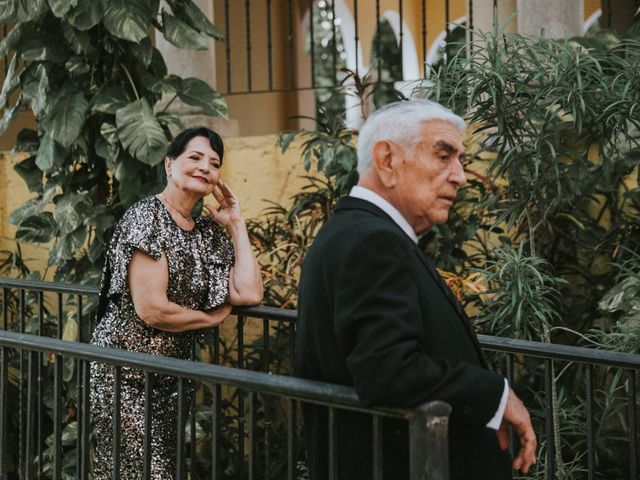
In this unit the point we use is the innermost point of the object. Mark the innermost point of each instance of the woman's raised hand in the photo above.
(229, 211)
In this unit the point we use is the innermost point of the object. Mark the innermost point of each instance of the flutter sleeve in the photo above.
(139, 229)
(219, 261)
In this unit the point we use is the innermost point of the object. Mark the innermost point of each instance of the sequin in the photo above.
(199, 263)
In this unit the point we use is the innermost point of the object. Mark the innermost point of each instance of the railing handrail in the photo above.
(301, 389)
(510, 345)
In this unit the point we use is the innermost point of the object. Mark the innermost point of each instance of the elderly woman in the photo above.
(167, 275)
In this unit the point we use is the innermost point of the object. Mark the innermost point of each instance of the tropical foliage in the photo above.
(90, 74)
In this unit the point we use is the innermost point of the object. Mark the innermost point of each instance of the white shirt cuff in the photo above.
(495, 422)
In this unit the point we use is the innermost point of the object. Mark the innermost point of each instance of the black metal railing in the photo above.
(427, 423)
(599, 388)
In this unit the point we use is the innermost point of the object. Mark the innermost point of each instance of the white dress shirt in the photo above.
(372, 197)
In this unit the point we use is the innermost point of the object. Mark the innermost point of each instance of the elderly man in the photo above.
(375, 314)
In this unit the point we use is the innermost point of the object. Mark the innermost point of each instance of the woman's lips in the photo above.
(202, 179)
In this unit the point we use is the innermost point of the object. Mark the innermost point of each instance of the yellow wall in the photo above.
(254, 167)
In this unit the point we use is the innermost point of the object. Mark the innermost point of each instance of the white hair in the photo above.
(400, 122)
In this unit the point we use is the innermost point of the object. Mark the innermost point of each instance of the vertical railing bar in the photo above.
(447, 20)
(266, 358)
(247, 19)
(241, 419)
(590, 423)
(60, 317)
(40, 397)
(4, 402)
(79, 413)
(292, 347)
(549, 417)
(401, 38)
(5, 308)
(116, 422)
(609, 15)
(312, 46)
(356, 38)
(252, 440)
(180, 469)
(215, 431)
(148, 414)
(377, 40)
(470, 24)
(81, 328)
(633, 442)
(86, 428)
(31, 414)
(291, 439)
(21, 399)
(510, 377)
(424, 38)
(269, 45)
(57, 417)
(192, 435)
(292, 56)
(377, 448)
(334, 40)
(267, 446)
(333, 451)
(227, 44)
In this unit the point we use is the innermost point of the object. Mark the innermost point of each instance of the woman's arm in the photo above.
(245, 281)
(148, 282)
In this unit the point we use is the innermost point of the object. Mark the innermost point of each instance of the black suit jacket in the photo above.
(374, 313)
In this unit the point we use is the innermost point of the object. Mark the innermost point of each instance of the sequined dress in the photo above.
(199, 263)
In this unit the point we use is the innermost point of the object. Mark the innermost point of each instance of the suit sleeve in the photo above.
(379, 326)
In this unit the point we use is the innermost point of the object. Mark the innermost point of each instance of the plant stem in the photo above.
(133, 85)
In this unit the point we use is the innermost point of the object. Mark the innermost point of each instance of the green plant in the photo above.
(88, 71)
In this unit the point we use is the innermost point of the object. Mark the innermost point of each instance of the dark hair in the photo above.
(179, 143)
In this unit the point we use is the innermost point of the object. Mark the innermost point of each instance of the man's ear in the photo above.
(384, 161)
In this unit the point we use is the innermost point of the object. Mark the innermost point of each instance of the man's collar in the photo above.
(364, 193)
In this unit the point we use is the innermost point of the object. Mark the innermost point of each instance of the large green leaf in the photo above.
(30, 173)
(12, 40)
(110, 99)
(9, 116)
(31, 207)
(43, 48)
(38, 228)
(67, 246)
(71, 210)
(16, 11)
(79, 40)
(26, 141)
(127, 19)
(9, 83)
(35, 88)
(198, 93)
(193, 16)
(182, 35)
(143, 51)
(169, 84)
(61, 7)
(66, 118)
(87, 14)
(50, 153)
(140, 132)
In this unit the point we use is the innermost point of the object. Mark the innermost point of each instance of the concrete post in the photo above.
(552, 18)
(199, 64)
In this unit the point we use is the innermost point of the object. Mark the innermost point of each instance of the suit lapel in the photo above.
(462, 316)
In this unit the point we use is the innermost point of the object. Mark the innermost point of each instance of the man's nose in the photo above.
(457, 174)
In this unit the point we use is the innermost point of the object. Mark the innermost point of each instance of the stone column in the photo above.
(199, 64)
(554, 18)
